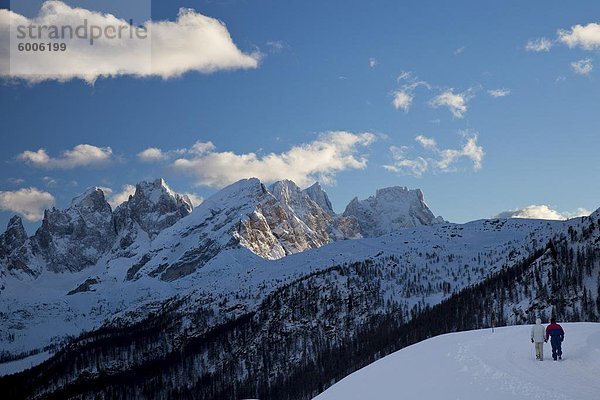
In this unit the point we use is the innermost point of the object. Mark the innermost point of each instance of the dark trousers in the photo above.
(556, 342)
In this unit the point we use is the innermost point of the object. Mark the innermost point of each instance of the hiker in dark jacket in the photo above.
(556, 334)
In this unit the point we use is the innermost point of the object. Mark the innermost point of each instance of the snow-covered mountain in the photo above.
(391, 209)
(481, 364)
(152, 230)
(253, 292)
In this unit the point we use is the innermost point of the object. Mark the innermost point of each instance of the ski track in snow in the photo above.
(477, 365)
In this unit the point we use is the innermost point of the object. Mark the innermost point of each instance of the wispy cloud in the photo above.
(538, 45)
(542, 211)
(402, 100)
(403, 96)
(459, 51)
(193, 42)
(470, 150)
(276, 46)
(436, 159)
(404, 165)
(582, 67)
(455, 102)
(321, 159)
(29, 202)
(502, 92)
(82, 155)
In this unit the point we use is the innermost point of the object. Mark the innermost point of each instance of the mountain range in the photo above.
(264, 291)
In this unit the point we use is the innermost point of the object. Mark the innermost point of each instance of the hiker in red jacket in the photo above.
(556, 334)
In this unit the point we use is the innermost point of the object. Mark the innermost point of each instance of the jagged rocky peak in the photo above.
(391, 209)
(15, 249)
(14, 237)
(74, 238)
(318, 195)
(153, 207)
(90, 201)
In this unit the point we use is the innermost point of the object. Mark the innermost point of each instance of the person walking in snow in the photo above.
(538, 335)
(556, 334)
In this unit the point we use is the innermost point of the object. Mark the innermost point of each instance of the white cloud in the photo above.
(403, 165)
(29, 202)
(194, 198)
(582, 67)
(455, 102)
(200, 148)
(372, 62)
(320, 160)
(427, 143)
(402, 100)
(193, 42)
(442, 160)
(542, 211)
(538, 45)
(152, 154)
(82, 155)
(118, 198)
(502, 92)
(585, 36)
(155, 154)
(403, 97)
(470, 150)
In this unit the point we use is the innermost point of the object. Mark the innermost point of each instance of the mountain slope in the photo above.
(477, 365)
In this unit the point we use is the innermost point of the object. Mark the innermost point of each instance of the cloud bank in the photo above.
(193, 42)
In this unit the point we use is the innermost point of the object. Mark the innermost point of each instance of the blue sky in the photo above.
(537, 145)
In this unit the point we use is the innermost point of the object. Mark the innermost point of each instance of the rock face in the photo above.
(152, 208)
(318, 195)
(15, 248)
(271, 222)
(75, 238)
(79, 236)
(389, 210)
(298, 221)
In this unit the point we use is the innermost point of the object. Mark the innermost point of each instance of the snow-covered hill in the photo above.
(478, 365)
